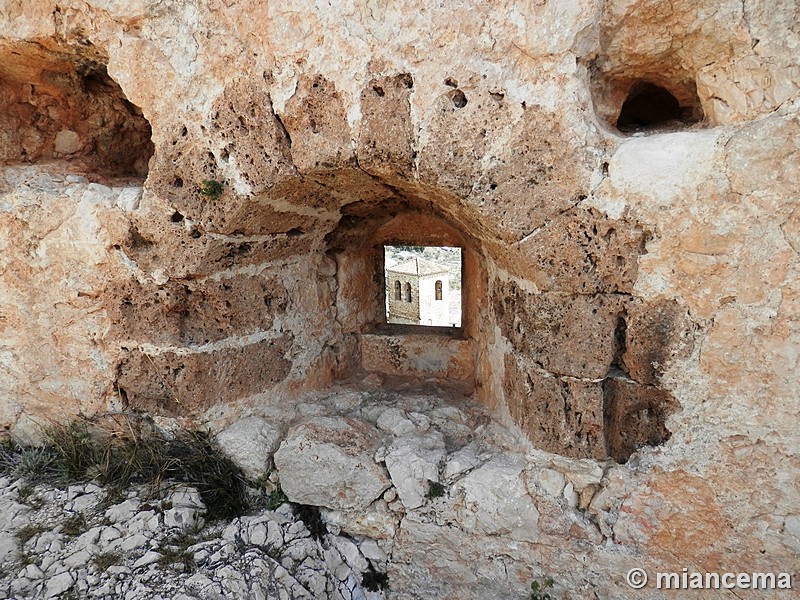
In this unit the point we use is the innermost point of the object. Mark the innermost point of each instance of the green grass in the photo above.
(539, 589)
(276, 499)
(435, 489)
(134, 452)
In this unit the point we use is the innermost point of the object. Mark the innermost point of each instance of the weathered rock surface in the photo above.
(621, 177)
(414, 461)
(250, 443)
(328, 462)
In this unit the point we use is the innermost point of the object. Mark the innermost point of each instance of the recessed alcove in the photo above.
(376, 344)
(60, 104)
(649, 106)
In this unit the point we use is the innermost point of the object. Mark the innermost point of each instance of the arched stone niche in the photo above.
(404, 351)
(649, 103)
(60, 104)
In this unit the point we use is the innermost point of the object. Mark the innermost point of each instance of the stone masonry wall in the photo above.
(633, 296)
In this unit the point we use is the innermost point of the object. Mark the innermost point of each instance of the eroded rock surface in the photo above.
(193, 204)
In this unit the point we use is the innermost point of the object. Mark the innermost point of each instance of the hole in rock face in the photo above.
(459, 98)
(423, 285)
(62, 105)
(649, 106)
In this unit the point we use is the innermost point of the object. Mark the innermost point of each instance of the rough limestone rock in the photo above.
(187, 510)
(194, 200)
(328, 462)
(413, 462)
(250, 443)
(494, 500)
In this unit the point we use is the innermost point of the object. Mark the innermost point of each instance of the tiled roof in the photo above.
(418, 266)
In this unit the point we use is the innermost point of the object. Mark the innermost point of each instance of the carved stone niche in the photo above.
(60, 104)
(357, 247)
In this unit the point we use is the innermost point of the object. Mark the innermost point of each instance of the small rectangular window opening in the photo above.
(423, 285)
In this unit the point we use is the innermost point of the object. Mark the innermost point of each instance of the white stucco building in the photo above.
(418, 292)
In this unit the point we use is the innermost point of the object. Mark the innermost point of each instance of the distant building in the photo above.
(418, 293)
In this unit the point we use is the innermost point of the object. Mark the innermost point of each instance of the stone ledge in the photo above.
(429, 355)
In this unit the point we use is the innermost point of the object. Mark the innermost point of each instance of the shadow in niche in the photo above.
(634, 416)
(62, 105)
(649, 106)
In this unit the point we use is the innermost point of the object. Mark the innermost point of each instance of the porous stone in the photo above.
(621, 177)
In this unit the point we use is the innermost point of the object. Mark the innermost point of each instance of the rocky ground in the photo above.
(72, 544)
(372, 495)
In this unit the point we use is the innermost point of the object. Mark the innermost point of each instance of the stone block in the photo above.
(316, 124)
(328, 462)
(250, 443)
(564, 416)
(572, 335)
(413, 461)
(493, 500)
(184, 383)
(425, 355)
(385, 142)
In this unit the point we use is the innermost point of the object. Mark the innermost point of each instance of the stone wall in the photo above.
(627, 295)
(404, 310)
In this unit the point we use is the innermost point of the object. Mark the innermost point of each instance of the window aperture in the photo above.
(423, 285)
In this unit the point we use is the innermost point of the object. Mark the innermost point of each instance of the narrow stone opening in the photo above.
(62, 105)
(430, 280)
(372, 247)
(649, 106)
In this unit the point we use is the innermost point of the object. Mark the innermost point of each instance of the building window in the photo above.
(423, 285)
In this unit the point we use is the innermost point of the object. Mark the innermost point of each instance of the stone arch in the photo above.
(408, 295)
(438, 289)
(398, 290)
(323, 229)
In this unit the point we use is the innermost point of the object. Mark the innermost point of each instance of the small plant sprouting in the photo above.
(211, 189)
(435, 489)
(276, 499)
(539, 589)
(174, 552)
(106, 559)
(74, 525)
(28, 532)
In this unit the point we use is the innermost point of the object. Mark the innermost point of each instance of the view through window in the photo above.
(423, 285)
